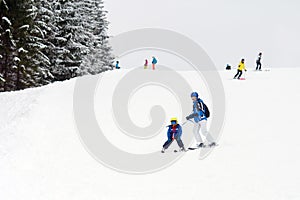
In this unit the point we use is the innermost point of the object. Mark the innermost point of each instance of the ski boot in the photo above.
(201, 145)
(213, 144)
(182, 149)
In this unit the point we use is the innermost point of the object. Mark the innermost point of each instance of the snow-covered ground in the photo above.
(41, 155)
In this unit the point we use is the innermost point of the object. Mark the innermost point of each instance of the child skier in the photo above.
(146, 64)
(174, 132)
(117, 65)
(154, 62)
(200, 118)
(258, 62)
(228, 67)
(240, 69)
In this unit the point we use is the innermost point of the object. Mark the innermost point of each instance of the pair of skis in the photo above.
(195, 148)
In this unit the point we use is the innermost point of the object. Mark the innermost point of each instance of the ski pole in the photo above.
(184, 123)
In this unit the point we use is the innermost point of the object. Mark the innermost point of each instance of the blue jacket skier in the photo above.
(200, 121)
(198, 110)
(174, 133)
(154, 62)
(117, 65)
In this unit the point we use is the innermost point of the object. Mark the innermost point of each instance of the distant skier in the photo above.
(258, 62)
(154, 62)
(228, 67)
(200, 115)
(146, 64)
(117, 65)
(174, 133)
(241, 67)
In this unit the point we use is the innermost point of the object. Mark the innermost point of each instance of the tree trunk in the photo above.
(5, 72)
(18, 78)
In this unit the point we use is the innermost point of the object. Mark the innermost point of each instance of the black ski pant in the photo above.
(238, 74)
(258, 65)
(170, 141)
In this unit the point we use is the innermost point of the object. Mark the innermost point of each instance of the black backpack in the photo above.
(205, 108)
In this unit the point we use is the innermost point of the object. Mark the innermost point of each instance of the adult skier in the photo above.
(146, 64)
(174, 133)
(258, 62)
(200, 114)
(241, 67)
(154, 62)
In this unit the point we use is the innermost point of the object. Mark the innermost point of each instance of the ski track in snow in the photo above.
(41, 156)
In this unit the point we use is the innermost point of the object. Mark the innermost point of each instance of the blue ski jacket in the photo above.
(174, 132)
(154, 61)
(198, 109)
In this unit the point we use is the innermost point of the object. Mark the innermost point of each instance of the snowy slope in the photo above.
(41, 156)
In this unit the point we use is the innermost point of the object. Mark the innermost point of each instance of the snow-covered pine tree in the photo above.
(79, 38)
(97, 56)
(66, 53)
(43, 41)
(22, 45)
(32, 62)
(51, 20)
(7, 46)
(44, 23)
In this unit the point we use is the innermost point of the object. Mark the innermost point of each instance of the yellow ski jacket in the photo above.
(242, 66)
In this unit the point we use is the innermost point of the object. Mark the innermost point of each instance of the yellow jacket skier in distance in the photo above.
(240, 69)
(242, 65)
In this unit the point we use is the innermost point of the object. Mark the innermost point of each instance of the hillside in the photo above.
(42, 157)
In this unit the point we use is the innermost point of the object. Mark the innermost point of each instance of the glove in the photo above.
(188, 117)
(245, 70)
(192, 116)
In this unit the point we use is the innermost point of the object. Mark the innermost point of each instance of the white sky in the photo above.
(227, 29)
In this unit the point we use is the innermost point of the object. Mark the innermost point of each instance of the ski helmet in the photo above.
(174, 119)
(194, 94)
